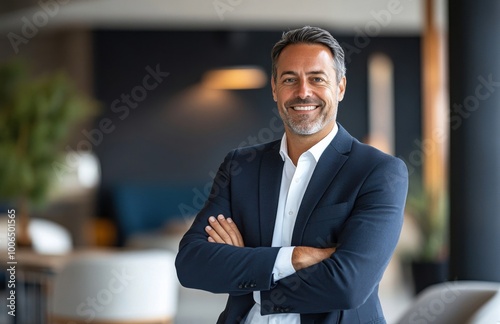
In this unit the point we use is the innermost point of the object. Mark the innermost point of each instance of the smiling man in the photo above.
(300, 230)
(306, 87)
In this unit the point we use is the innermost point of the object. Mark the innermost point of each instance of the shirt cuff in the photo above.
(283, 264)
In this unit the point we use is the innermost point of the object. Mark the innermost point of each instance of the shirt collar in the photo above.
(317, 150)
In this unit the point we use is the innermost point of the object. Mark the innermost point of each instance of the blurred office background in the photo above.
(133, 173)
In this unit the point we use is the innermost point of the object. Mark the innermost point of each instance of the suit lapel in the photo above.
(269, 189)
(332, 159)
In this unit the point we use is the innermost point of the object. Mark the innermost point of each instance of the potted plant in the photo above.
(36, 115)
(429, 211)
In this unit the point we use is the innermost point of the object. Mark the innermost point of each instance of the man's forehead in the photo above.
(305, 54)
(306, 48)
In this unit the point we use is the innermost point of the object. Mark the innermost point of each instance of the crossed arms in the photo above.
(224, 230)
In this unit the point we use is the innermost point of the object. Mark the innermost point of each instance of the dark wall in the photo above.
(178, 134)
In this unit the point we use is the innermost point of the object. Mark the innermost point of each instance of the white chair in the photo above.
(47, 237)
(456, 302)
(116, 287)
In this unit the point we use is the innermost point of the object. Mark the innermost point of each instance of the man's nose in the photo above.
(303, 89)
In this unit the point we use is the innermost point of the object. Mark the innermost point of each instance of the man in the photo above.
(300, 230)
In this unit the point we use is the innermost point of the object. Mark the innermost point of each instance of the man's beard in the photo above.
(304, 126)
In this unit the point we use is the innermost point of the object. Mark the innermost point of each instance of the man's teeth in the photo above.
(304, 108)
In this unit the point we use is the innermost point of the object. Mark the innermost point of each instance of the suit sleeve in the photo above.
(222, 268)
(365, 245)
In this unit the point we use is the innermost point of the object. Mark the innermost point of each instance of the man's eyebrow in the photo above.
(288, 72)
(316, 72)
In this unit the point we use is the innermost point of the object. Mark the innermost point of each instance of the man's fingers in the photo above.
(213, 236)
(236, 232)
(231, 230)
(223, 230)
(220, 226)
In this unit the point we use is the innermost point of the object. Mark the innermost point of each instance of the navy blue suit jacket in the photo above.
(354, 200)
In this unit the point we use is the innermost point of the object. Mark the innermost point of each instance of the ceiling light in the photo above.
(235, 78)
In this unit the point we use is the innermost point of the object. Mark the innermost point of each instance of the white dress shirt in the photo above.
(293, 186)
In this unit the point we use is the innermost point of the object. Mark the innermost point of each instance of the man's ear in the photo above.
(341, 88)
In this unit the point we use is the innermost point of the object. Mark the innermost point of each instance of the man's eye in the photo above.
(289, 80)
(318, 79)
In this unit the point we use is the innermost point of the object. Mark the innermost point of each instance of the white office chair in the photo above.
(116, 287)
(456, 302)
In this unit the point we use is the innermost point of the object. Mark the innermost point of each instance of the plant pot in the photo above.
(428, 273)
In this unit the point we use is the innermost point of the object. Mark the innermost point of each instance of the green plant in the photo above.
(36, 116)
(430, 211)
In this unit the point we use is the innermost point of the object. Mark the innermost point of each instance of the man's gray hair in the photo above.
(310, 35)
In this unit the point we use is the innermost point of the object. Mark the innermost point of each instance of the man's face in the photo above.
(306, 89)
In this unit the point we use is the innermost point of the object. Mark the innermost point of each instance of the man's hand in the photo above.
(305, 256)
(224, 230)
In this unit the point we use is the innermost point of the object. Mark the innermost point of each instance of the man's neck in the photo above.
(298, 144)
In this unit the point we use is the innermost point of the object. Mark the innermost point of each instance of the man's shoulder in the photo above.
(366, 149)
(372, 155)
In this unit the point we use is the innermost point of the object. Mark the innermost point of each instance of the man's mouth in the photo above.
(303, 108)
(303, 105)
